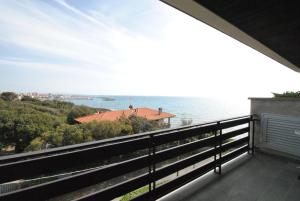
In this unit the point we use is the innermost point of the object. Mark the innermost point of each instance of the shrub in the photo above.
(287, 94)
(19, 128)
(63, 135)
(107, 129)
(140, 124)
(9, 96)
(28, 98)
(79, 111)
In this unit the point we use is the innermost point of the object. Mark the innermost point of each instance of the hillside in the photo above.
(21, 121)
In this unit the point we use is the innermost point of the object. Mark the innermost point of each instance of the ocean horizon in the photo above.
(197, 109)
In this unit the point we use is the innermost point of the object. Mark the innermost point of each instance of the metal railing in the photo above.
(215, 146)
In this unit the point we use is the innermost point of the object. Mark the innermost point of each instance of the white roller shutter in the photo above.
(282, 133)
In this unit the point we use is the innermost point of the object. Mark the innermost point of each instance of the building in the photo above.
(147, 113)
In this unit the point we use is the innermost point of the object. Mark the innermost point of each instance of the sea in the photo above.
(194, 109)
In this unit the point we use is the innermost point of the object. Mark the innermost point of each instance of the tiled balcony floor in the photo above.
(262, 177)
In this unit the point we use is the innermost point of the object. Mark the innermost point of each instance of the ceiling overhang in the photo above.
(271, 27)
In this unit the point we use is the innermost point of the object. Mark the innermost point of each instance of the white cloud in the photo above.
(173, 54)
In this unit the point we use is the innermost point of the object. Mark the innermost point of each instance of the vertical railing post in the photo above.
(154, 162)
(253, 132)
(215, 147)
(249, 134)
(150, 164)
(220, 146)
(152, 167)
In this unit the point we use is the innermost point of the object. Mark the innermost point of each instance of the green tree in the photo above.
(73, 134)
(2, 103)
(140, 124)
(36, 144)
(34, 122)
(7, 127)
(79, 111)
(106, 129)
(29, 98)
(19, 127)
(8, 96)
(63, 135)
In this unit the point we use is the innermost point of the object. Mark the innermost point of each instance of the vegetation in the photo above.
(106, 129)
(140, 124)
(63, 135)
(79, 111)
(287, 94)
(9, 96)
(133, 194)
(30, 124)
(20, 123)
(186, 122)
(139, 191)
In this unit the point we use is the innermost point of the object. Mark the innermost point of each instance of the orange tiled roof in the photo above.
(147, 113)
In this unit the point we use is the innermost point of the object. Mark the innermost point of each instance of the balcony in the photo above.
(264, 177)
(211, 161)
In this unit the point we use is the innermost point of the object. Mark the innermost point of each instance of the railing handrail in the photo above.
(68, 148)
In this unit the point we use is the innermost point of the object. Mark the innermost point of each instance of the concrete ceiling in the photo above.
(271, 27)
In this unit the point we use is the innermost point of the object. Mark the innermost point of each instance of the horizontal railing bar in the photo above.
(183, 134)
(70, 148)
(117, 190)
(188, 147)
(215, 121)
(20, 169)
(105, 194)
(58, 150)
(179, 165)
(236, 118)
(180, 135)
(182, 180)
(81, 180)
(178, 182)
(235, 143)
(182, 149)
(234, 154)
(235, 133)
(228, 124)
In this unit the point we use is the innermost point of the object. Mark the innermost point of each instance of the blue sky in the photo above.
(132, 47)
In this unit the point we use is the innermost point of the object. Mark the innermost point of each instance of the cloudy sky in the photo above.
(127, 47)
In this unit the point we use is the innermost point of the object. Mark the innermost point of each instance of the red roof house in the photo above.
(149, 114)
